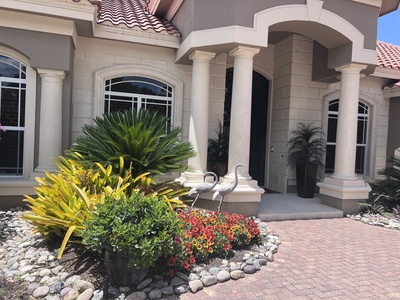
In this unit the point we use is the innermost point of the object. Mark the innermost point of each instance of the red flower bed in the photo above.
(210, 234)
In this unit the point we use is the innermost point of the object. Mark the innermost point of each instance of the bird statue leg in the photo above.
(194, 201)
(220, 203)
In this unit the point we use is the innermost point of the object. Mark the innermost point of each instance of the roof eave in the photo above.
(147, 37)
(388, 73)
(391, 92)
(389, 6)
(165, 9)
(83, 11)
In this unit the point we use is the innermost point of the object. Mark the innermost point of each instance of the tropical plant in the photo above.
(390, 186)
(140, 138)
(306, 145)
(386, 192)
(66, 200)
(140, 226)
(373, 205)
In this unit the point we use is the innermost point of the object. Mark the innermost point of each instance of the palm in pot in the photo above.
(306, 149)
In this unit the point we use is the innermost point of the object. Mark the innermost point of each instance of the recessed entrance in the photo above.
(259, 121)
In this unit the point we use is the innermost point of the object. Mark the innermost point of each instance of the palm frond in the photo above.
(141, 139)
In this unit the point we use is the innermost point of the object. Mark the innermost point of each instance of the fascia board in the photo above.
(56, 8)
(136, 36)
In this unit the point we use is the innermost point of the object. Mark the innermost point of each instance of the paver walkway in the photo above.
(322, 259)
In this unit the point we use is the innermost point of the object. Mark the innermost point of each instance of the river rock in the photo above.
(223, 276)
(195, 285)
(237, 274)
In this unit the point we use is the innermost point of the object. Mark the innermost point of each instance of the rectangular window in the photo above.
(362, 137)
(12, 115)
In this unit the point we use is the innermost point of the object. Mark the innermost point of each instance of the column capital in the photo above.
(351, 68)
(202, 56)
(244, 52)
(52, 73)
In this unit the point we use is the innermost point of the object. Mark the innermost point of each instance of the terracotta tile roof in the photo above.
(388, 55)
(132, 14)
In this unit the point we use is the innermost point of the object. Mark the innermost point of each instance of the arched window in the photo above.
(141, 87)
(136, 92)
(12, 115)
(362, 137)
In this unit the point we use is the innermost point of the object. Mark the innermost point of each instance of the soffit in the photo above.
(389, 6)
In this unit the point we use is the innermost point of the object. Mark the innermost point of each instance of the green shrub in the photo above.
(141, 226)
(141, 139)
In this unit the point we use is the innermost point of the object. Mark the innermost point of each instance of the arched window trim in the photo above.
(373, 104)
(30, 106)
(102, 75)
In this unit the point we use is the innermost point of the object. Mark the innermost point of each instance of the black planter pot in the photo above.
(306, 177)
(119, 271)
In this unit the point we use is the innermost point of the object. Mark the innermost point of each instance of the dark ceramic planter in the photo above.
(306, 177)
(119, 272)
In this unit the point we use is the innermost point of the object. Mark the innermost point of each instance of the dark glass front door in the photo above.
(259, 114)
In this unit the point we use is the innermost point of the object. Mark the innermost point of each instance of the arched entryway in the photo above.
(259, 122)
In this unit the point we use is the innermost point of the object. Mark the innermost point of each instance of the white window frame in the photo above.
(30, 108)
(373, 105)
(102, 75)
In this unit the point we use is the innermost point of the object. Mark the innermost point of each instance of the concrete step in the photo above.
(279, 207)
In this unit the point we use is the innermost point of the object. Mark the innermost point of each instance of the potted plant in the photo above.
(132, 233)
(306, 149)
(218, 149)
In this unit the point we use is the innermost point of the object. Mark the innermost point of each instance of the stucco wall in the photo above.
(197, 15)
(93, 55)
(46, 51)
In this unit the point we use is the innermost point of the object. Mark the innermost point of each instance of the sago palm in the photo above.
(141, 139)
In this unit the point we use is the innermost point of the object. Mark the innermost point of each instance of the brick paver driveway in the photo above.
(322, 259)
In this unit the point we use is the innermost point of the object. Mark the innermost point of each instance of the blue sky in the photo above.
(389, 28)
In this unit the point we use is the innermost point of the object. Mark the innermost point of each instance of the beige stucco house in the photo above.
(274, 63)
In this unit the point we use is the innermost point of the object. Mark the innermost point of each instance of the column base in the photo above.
(244, 199)
(343, 194)
(190, 179)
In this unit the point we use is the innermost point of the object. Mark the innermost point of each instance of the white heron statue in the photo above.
(203, 187)
(225, 189)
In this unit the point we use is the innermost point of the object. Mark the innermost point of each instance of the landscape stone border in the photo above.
(21, 258)
(377, 220)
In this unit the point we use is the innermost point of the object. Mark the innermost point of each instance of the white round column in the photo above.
(343, 189)
(50, 134)
(346, 136)
(198, 125)
(239, 135)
